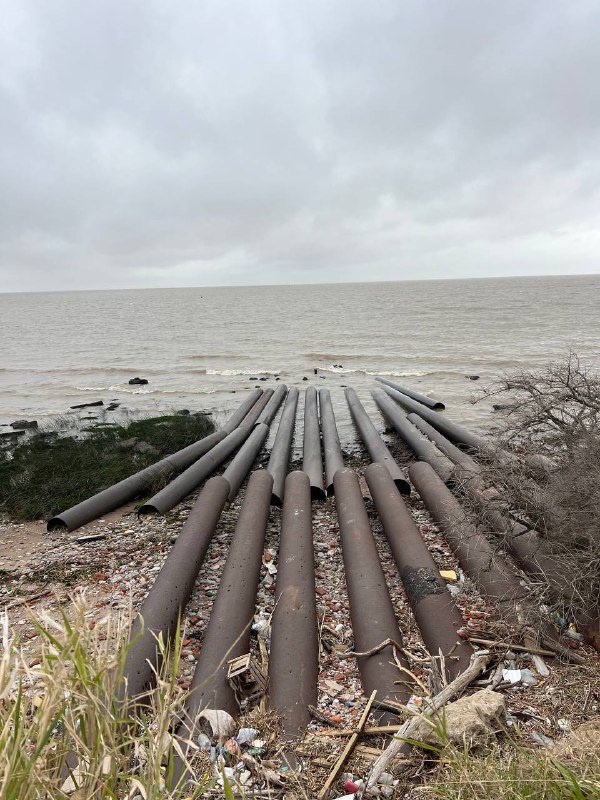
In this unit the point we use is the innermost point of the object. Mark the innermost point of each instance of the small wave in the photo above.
(211, 356)
(335, 357)
(91, 388)
(390, 373)
(240, 372)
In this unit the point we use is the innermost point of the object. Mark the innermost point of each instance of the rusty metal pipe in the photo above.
(268, 414)
(252, 417)
(173, 587)
(493, 575)
(312, 461)
(451, 451)
(193, 476)
(332, 449)
(456, 433)
(241, 465)
(294, 655)
(373, 442)
(371, 610)
(418, 443)
(227, 634)
(280, 452)
(237, 417)
(436, 405)
(436, 614)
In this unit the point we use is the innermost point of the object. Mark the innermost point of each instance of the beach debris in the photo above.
(137, 381)
(91, 537)
(247, 678)
(216, 723)
(89, 405)
(514, 676)
(468, 722)
(448, 575)
(541, 739)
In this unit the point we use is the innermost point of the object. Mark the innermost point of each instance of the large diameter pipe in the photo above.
(373, 442)
(312, 462)
(227, 634)
(268, 413)
(332, 449)
(173, 587)
(371, 610)
(523, 544)
(436, 614)
(294, 655)
(129, 488)
(436, 405)
(236, 472)
(424, 449)
(456, 433)
(135, 485)
(493, 575)
(193, 476)
(237, 417)
(280, 452)
(252, 417)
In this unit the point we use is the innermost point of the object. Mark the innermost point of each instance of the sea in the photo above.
(200, 348)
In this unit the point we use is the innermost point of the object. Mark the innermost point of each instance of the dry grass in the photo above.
(62, 733)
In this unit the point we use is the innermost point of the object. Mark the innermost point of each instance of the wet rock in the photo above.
(11, 434)
(469, 721)
(472, 377)
(305, 378)
(137, 381)
(89, 405)
(23, 424)
(184, 412)
(112, 406)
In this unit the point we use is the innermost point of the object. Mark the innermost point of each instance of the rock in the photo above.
(469, 721)
(305, 378)
(253, 379)
(23, 424)
(262, 379)
(137, 381)
(88, 405)
(472, 377)
(184, 412)
(145, 447)
(112, 406)
(127, 444)
(11, 434)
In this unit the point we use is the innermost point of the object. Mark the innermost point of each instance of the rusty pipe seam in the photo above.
(435, 405)
(173, 587)
(227, 635)
(293, 669)
(332, 449)
(374, 444)
(371, 611)
(312, 461)
(241, 465)
(424, 449)
(523, 544)
(122, 492)
(493, 575)
(280, 452)
(435, 612)
(270, 410)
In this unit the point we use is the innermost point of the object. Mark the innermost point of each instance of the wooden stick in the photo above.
(373, 731)
(510, 646)
(479, 662)
(347, 750)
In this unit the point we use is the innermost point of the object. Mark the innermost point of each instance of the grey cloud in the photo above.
(152, 143)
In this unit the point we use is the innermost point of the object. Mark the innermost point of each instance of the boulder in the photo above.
(468, 722)
(23, 424)
(145, 447)
(137, 381)
(183, 412)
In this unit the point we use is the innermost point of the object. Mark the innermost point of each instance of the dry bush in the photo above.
(555, 412)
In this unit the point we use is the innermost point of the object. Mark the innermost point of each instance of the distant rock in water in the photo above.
(472, 377)
(87, 405)
(305, 378)
(22, 424)
(183, 412)
(112, 406)
(11, 434)
(137, 381)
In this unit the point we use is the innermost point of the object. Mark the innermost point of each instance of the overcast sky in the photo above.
(161, 143)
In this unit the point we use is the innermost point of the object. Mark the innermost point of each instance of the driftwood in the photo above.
(347, 750)
(479, 662)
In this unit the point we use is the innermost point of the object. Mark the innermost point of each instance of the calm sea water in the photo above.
(197, 347)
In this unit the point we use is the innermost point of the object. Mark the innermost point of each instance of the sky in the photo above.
(151, 143)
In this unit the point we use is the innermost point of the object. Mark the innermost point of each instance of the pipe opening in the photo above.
(56, 524)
